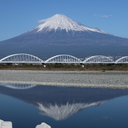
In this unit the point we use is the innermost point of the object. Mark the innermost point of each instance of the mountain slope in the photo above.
(60, 34)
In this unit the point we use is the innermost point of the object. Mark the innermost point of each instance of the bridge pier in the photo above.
(82, 66)
(44, 66)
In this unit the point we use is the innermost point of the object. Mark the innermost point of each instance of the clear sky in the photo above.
(20, 16)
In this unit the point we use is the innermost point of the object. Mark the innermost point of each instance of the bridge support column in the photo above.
(44, 66)
(82, 66)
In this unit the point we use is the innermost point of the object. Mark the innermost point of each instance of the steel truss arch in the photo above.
(98, 59)
(122, 60)
(21, 58)
(18, 86)
(63, 58)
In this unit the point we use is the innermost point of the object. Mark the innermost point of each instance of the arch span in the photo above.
(63, 58)
(98, 59)
(21, 58)
(122, 60)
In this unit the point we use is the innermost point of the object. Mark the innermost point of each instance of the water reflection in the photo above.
(60, 102)
(18, 86)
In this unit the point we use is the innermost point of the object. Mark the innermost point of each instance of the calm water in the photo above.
(63, 107)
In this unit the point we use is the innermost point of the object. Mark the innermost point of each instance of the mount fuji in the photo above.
(62, 35)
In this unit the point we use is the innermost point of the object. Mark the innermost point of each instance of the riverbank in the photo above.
(95, 79)
(67, 67)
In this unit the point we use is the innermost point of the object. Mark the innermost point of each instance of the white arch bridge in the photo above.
(63, 58)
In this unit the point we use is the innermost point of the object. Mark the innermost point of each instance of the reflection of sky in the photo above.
(17, 111)
(112, 114)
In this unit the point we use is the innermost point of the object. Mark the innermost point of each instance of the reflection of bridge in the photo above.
(64, 58)
(18, 86)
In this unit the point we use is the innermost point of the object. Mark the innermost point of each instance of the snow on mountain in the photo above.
(59, 21)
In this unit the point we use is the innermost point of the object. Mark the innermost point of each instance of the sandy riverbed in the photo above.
(110, 79)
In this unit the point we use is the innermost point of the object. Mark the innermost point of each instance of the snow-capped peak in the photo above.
(59, 21)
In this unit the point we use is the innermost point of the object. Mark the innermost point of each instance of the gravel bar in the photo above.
(96, 79)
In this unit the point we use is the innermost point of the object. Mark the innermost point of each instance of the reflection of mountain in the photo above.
(64, 111)
(62, 102)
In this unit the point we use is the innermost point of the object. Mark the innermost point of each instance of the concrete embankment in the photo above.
(108, 79)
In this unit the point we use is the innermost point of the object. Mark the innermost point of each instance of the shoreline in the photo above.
(92, 79)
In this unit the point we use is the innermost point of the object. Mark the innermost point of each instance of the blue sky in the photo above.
(20, 16)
